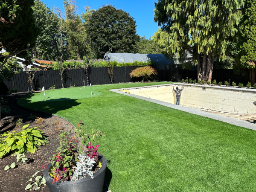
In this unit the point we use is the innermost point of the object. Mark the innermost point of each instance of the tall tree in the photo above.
(48, 22)
(247, 40)
(112, 30)
(200, 27)
(18, 31)
(148, 46)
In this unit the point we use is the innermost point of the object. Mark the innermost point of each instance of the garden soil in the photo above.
(14, 180)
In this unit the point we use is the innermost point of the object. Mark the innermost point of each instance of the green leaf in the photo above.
(7, 167)
(25, 126)
(29, 186)
(37, 133)
(13, 165)
(38, 178)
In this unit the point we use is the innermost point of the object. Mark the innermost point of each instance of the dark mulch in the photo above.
(14, 180)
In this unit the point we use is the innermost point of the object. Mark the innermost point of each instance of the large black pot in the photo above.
(86, 184)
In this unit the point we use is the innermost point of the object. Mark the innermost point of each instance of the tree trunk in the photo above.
(210, 61)
(204, 67)
(252, 76)
(199, 75)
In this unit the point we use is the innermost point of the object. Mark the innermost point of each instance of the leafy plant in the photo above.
(182, 81)
(37, 183)
(64, 161)
(52, 87)
(233, 83)
(208, 82)
(240, 85)
(190, 80)
(214, 82)
(248, 85)
(19, 122)
(145, 73)
(199, 81)
(226, 83)
(20, 158)
(26, 140)
(194, 81)
(203, 82)
(186, 81)
(83, 167)
(220, 83)
(254, 86)
(39, 121)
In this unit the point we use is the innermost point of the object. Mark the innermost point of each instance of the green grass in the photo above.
(155, 148)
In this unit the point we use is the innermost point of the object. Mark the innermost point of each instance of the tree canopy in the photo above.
(18, 31)
(112, 30)
(48, 22)
(198, 26)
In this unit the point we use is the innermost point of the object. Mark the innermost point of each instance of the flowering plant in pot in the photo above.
(76, 163)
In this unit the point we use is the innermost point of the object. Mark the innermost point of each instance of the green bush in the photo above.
(208, 82)
(190, 80)
(248, 84)
(186, 81)
(214, 82)
(220, 83)
(199, 81)
(233, 83)
(226, 83)
(145, 73)
(26, 140)
(203, 82)
(254, 86)
(194, 81)
(182, 80)
(240, 85)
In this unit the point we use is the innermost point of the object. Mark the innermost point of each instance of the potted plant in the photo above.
(76, 167)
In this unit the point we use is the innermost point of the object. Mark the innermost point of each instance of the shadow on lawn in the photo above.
(51, 106)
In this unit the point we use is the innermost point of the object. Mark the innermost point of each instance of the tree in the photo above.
(48, 22)
(112, 30)
(199, 27)
(247, 39)
(148, 46)
(18, 31)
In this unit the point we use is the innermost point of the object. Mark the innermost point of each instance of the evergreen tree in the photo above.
(198, 26)
(112, 30)
(148, 46)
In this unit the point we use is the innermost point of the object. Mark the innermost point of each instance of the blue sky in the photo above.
(141, 10)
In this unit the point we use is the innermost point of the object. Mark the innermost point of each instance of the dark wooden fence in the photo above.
(77, 77)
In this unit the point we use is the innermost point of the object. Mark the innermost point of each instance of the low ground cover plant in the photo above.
(248, 85)
(240, 85)
(145, 73)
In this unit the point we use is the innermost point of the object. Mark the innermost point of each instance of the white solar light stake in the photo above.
(91, 88)
(44, 92)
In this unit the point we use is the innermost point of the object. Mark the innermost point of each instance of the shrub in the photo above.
(190, 80)
(186, 81)
(26, 140)
(226, 83)
(182, 80)
(194, 81)
(145, 73)
(214, 82)
(233, 83)
(199, 81)
(208, 82)
(254, 86)
(248, 84)
(220, 83)
(203, 82)
(240, 85)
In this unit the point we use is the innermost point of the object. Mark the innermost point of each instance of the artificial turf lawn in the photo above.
(155, 148)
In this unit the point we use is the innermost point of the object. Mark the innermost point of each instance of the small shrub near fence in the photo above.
(145, 73)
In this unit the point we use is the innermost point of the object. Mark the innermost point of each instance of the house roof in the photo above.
(160, 59)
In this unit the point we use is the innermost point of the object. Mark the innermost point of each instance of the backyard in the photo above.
(150, 147)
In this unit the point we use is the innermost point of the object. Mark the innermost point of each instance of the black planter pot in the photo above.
(86, 184)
